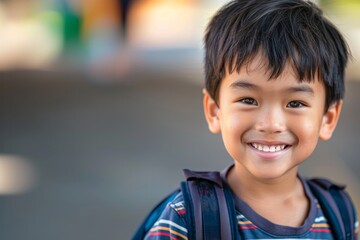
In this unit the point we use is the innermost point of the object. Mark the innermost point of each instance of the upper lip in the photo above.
(269, 143)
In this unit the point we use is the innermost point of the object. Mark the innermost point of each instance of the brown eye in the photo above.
(249, 101)
(295, 104)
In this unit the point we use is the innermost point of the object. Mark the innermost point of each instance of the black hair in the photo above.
(283, 31)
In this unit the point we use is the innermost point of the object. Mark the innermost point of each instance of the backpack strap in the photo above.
(337, 206)
(209, 205)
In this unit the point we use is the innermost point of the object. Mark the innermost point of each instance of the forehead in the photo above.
(259, 64)
(256, 72)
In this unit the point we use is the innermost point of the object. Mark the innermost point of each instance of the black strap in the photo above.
(233, 223)
(211, 212)
(337, 207)
(345, 213)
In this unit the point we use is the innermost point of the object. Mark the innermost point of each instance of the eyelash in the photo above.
(251, 101)
(298, 104)
(248, 101)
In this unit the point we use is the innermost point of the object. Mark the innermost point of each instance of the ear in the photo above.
(211, 110)
(330, 120)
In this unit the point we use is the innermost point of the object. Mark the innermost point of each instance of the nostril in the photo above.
(270, 128)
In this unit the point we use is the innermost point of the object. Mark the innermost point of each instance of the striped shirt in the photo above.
(172, 225)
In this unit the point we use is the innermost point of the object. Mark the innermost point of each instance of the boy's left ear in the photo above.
(330, 120)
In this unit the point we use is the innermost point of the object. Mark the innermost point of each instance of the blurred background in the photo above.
(101, 109)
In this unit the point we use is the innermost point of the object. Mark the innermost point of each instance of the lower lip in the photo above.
(268, 155)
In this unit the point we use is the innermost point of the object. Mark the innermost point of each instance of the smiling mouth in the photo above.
(269, 148)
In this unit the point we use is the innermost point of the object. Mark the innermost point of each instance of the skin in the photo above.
(284, 113)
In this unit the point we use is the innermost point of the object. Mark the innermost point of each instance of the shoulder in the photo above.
(171, 224)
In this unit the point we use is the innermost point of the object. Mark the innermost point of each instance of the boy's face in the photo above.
(269, 127)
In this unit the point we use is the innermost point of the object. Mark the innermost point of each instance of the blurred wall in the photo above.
(89, 33)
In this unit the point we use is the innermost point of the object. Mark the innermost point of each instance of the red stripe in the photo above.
(247, 227)
(320, 230)
(162, 234)
(159, 234)
(182, 212)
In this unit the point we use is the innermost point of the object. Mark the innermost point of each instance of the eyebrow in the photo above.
(302, 88)
(243, 84)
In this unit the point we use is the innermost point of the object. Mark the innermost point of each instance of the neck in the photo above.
(282, 200)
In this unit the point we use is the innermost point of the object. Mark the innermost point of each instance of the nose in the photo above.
(271, 121)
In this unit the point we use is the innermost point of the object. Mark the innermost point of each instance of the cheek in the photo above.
(307, 126)
(307, 133)
(232, 129)
(233, 124)
(236, 124)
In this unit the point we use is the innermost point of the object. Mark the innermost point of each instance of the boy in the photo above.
(274, 86)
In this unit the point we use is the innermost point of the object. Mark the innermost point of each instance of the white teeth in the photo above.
(266, 148)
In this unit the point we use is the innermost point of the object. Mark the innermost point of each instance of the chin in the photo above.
(269, 174)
